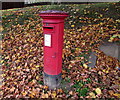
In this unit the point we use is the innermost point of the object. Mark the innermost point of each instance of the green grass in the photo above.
(80, 88)
(93, 11)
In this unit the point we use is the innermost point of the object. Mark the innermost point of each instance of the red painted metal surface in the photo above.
(53, 28)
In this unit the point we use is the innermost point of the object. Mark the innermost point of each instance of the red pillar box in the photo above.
(53, 28)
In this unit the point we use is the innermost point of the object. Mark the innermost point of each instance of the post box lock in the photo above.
(47, 24)
(54, 55)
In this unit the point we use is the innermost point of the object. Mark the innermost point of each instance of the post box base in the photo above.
(52, 81)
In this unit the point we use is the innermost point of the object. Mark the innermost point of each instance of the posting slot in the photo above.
(48, 28)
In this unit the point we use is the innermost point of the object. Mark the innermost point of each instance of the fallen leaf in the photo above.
(72, 25)
(37, 66)
(92, 95)
(24, 93)
(12, 89)
(1, 28)
(85, 66)
(98, 91)
(53, 94)
(111, 92)
(117, 95)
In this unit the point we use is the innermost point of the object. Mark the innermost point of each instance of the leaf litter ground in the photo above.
(85, 30)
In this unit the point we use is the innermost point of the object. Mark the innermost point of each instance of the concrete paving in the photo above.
(92, 60)
(111, 49)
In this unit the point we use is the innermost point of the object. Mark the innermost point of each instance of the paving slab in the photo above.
(92, 60)
(111, 49)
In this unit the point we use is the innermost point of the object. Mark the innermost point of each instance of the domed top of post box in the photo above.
(53, 14)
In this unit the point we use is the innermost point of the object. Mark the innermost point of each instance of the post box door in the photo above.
(53, 41)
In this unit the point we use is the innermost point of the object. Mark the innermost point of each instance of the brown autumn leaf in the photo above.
(111, 92)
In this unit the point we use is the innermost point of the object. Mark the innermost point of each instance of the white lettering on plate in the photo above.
(47, 40)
